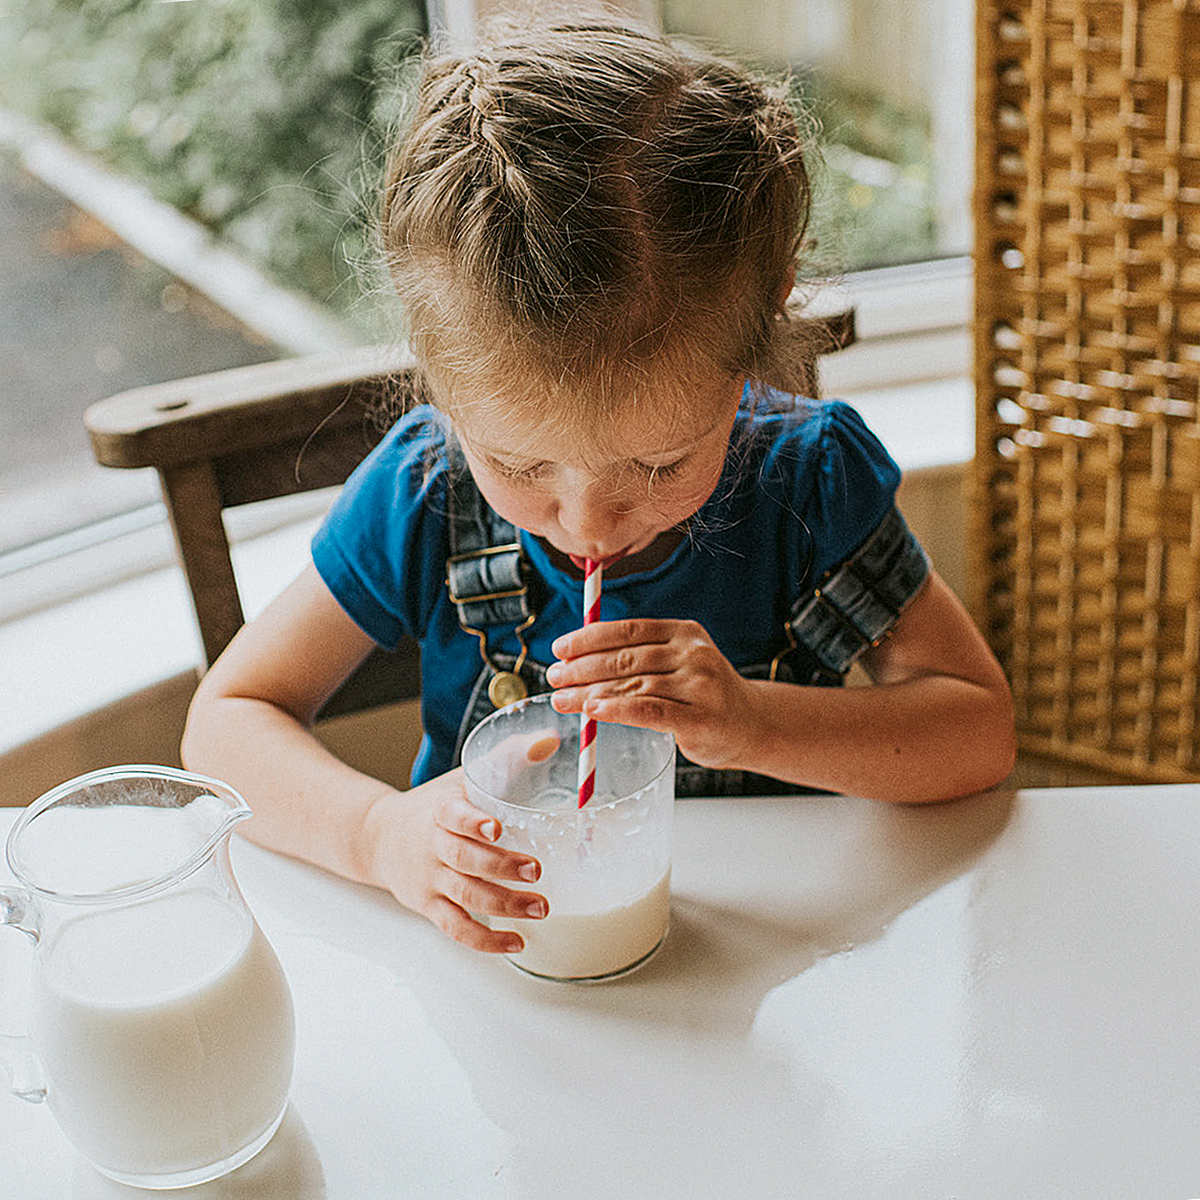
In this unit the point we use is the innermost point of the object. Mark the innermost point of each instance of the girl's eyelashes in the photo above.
(534, 471)
(517, 470)
(654, 471)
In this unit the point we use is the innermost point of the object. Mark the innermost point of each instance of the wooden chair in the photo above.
(1087, 352)
(275, 429)
(249, 434)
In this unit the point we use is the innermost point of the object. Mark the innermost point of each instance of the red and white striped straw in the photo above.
(592, 578)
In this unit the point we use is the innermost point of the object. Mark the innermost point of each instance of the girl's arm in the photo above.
(250, 725)
(937, 721)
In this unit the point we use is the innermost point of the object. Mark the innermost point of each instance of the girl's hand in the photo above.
(657, 674)
(436, 853)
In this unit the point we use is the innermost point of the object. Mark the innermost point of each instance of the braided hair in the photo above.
(587, 200)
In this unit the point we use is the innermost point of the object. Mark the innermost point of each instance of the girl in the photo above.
(593, 233)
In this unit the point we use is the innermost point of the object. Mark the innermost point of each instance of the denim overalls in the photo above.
(853, 608)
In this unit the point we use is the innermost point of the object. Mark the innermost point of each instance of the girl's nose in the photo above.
(594, 516)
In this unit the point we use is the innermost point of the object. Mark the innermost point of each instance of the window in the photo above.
(84, 315)
(256, 121)
(890, 83)
(145, 87)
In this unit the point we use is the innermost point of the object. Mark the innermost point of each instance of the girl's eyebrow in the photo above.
(669, 453)
(508, 455)
(677, 451)
(643, 458)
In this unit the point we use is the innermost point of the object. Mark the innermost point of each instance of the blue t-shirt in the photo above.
(800, 491)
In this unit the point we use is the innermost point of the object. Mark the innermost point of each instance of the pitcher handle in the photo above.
(17, 1055)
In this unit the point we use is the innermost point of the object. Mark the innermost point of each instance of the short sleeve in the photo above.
(852, 484)
(381, 548)
(866, 565)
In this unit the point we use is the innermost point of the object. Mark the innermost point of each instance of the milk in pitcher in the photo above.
(166, 1031)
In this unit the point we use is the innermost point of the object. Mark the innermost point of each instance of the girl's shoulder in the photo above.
(409, 460)
(380, 548)
(419, 433)
(797, 439)
(815, 467)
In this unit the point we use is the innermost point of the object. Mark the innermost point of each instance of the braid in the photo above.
(484, 130)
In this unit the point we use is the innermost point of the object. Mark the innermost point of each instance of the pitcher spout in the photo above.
(231, 809)
(122, 832)
(235, 808)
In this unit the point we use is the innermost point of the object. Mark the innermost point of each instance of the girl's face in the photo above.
(603, 497)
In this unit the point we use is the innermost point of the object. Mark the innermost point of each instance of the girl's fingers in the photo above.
(460, 905)
(619, 663)
(646, 712)
(460, 817)
(470, 857)
(502, 767)
(589, 700)
(450, 869)
(608, 635)
(676, 685)
(465, 842)
(462, 927)
(490, 899)
(521, 750)
(466, 886)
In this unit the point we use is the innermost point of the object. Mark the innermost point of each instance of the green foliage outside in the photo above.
(875, 200)
(263, 119)
(875, 197)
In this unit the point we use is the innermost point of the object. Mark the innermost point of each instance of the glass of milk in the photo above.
(606, 868)
(161, 1030)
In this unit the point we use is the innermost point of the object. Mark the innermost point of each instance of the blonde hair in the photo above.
(589, 202)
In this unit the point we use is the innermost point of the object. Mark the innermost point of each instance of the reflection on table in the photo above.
(985, 999)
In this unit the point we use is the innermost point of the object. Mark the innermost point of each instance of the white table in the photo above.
(995, 999)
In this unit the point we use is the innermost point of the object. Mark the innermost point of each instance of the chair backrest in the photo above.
(274, 429)
(248, 434)
(1087, 350)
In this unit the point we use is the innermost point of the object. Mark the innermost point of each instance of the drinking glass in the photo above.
(606, 867)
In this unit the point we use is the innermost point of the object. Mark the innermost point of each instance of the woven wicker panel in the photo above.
(1087, 473)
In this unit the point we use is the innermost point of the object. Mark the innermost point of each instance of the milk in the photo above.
(582, 945)
(166, 1033)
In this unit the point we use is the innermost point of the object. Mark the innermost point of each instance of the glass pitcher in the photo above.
(161, 1029)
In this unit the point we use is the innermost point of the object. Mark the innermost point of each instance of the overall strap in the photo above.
(856, 605)
(486, 572)
(487, 580)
